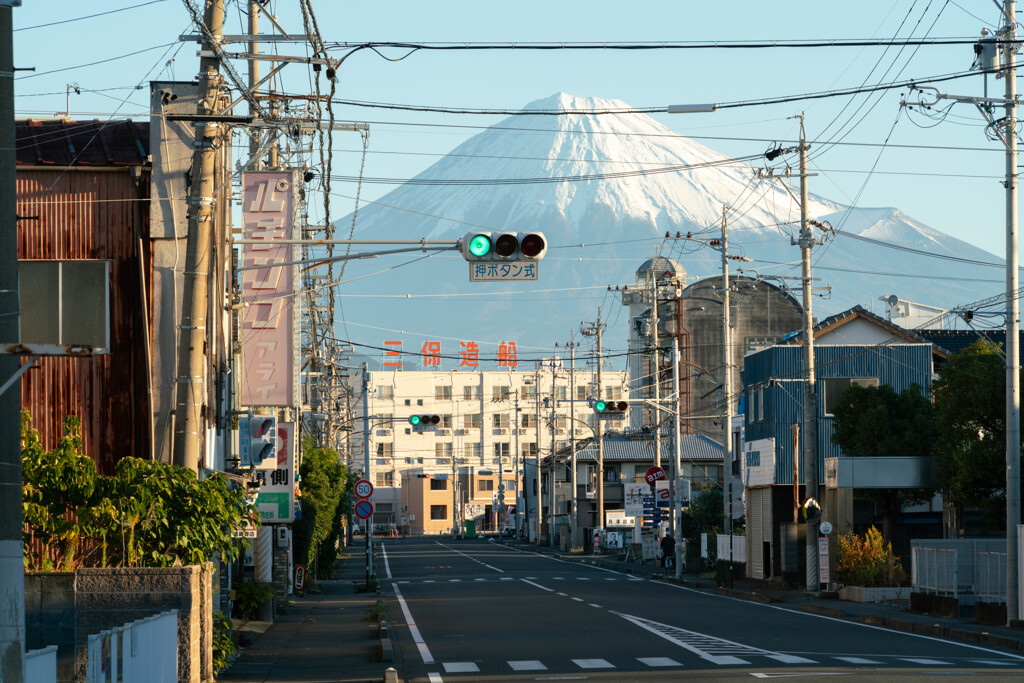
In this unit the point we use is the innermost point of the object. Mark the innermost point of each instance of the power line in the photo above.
(88, 16)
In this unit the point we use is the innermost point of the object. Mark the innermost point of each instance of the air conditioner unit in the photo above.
(560, 431)
(524, 430)
(444, 432)
(385, 432)
(503, 430)
(580, 431)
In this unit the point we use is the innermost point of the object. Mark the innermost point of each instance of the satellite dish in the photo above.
(893, 300)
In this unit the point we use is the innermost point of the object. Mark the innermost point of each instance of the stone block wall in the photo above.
(65, 609)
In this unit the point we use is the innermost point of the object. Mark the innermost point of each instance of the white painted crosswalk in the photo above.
(750, 659)
(485, 579)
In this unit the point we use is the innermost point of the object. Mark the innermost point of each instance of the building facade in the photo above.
(490, 424)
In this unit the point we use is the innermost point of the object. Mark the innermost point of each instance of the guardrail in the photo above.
(142, 651)
(991, 576)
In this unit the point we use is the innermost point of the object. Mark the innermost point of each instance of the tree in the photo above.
(876, 422)
(971, 415)
(325, 482)
(703, 516)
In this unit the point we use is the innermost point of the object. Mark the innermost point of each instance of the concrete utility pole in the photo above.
(592, 329)
(572, 444)
(810, 395)
(366, 467)
(515, 467)
(536, 454)
(677, 460)
(12, 553)
(192, 333)
(1012, 318)
(656, 369)
(726, 380)
(551, 466)
(254, 78)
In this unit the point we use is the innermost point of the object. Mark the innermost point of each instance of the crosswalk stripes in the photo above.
(586, 664)
(484, 579)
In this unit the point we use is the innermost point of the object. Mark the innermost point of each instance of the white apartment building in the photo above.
(490, 421)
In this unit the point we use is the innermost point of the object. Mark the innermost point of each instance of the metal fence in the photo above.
(991, 577)
(41, 665)
(143, 651)
(739, 548)
(934, 570)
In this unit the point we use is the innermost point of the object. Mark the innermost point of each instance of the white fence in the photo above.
(143, 651)
(41, 665)
(933, 570)
(739, 548)
(977, 570)
(991, 577)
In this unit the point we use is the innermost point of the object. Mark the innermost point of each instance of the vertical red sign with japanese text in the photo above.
(268, 289)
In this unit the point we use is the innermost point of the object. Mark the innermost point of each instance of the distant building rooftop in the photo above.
(63, 142)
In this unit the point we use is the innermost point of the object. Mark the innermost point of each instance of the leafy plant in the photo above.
(249, 595)
(223, 642)
(867, 561)
(147, 514)
(326, 493)
(377, 610)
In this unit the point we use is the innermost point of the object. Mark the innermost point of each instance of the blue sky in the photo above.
(948, 175)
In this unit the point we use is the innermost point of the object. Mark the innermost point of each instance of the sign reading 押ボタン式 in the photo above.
(269, 323)
(275, 501)
(502, 271)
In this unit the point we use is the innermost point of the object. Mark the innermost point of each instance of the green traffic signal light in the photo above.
(414, 420)
(480, 245)
(600, 406)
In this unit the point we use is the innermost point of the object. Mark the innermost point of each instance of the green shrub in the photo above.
(223, 642)
(867, 561)
(249, 595)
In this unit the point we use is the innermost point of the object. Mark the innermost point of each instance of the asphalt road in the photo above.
(475, 610)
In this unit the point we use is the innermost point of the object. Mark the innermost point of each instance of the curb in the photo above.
(944, 632)
(823, 611)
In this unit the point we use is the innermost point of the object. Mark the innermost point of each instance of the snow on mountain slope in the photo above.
(620, 183)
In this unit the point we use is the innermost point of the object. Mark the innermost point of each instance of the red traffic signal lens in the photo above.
(433, 419)
(531, 245)
(622, 406)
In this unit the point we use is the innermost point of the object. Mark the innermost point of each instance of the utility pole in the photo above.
(572, 443)
(1012, 315)
(192, 333)
(366, 467)
(677, 460)
(254, 78)
(537, 449)
(726, 379)
(595, 329)
(12, 552)
(551, 462)
(810, 395)
(515, 466)
(656, 369)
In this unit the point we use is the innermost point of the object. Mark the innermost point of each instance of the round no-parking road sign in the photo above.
(364, 489)
(364, 509)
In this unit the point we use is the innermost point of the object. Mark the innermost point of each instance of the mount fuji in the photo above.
(605, 190)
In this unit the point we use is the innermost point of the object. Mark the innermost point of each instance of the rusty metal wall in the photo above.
(92, 213)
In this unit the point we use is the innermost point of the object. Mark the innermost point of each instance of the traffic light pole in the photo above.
(366, 466)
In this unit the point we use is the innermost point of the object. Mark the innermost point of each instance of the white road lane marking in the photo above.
(930, 662)
(593, 663)
(658, 661)
(460, 667)
(435, 678)
(384, 554)
(715, 650)
(470, 557)
(537, 585)
(527, 665)
(857, 660)
(413, 630)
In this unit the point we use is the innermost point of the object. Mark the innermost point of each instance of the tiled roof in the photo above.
(617, 448)
(839, 319)
(957, 340)
(63, 142)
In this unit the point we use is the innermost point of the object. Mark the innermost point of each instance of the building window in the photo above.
(446, 421)
(499, 420)
(408, 402)
(613, 392)
(485, 484)
(383, 508)
(501, 449)
(438, 484)
(443, 393)
(530, 392)
(526, 420)
(419, 401)
(832, 389)
(472, 450)
(500, 393)
(737, 447)
(562, 422)
(471, 393)
(385, 479)
(384, 450)
(750, 405)
(386, 392)
(471, 421)
(561, 393)
(757, 343)
(438, 512)
(760, 404)
(582, 392)
(442, 450)
(529, 450)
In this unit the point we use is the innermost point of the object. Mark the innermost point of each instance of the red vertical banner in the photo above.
(392, 355)
(269, 330)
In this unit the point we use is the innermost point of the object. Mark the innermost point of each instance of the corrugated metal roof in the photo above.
(956, 341)
(617, 448)
(63, 142)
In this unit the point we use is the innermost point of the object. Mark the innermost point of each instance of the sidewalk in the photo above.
(328, 636)
(894, 615)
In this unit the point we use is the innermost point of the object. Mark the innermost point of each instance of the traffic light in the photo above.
(504, 246)
(424, 420)
(257, 439)
(610, 409)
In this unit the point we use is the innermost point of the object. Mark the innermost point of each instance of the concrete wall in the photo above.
(64, 609)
